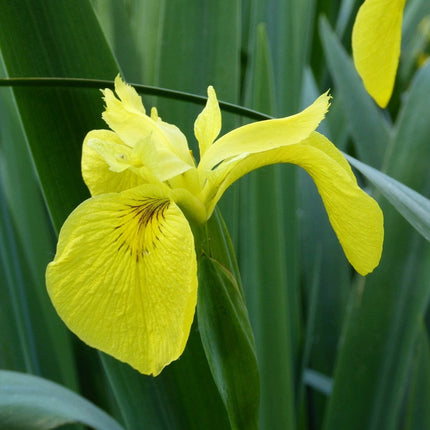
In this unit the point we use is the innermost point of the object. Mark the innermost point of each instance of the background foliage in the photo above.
(334, 350)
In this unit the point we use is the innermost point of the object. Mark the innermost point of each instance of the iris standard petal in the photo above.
(355, 217)
(97, 173)
(208, 124)
(376, 38)
(135, 128)
(264, 135)
(124, 278)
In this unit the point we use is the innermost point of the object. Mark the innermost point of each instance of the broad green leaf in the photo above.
(373, 139)
(174, 399)
(228, 342)
(50, 45)
(412, 205)
(290, 27)
(28, 402)
(417, 413)
(199, 58)
(115, 18)
(26, 250)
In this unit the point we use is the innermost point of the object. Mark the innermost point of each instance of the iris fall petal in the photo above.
(355, 217)
(124, 278)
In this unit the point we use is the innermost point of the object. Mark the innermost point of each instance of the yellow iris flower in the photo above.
(124, 277)
(376, 38)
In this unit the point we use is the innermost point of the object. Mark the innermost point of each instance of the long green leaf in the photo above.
(417, 414)
(228, 342)
(28, 402)
(412, 205)
(263, 261)
(49, 45)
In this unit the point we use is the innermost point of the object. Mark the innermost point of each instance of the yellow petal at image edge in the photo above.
(355, 217)
(376, 38)
(124, 278)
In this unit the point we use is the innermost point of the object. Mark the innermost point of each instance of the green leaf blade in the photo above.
(29, 402)
(414, 207)
(228, 342)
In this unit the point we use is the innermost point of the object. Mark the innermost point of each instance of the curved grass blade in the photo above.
(140, 88)
(413, 206)
(29, 402)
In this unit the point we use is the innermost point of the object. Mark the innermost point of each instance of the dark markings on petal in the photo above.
(140, 227)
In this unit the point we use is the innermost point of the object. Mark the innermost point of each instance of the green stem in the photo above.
(147, 89)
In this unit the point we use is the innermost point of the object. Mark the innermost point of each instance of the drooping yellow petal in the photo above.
(134, 128)
(356, 218)
(264, 135)
(98, 175)
(124, 277)
(208, 124)
(376, 38)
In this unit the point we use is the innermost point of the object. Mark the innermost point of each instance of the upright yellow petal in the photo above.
(376, 38)
(128, 96)
(264, 135)
(124, 278)
(97, 173)
(356, 218)
(208, 124)
(134, 128)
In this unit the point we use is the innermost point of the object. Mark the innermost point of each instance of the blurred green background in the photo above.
(334, 350)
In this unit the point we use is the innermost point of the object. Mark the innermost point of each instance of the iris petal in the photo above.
(98, 175)
(376, 38)
(208, 124)
(264, 135)
(134, 127)
(124, 278)
(355, 217)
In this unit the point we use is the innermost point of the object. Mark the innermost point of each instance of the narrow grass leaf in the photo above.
(412, 205)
